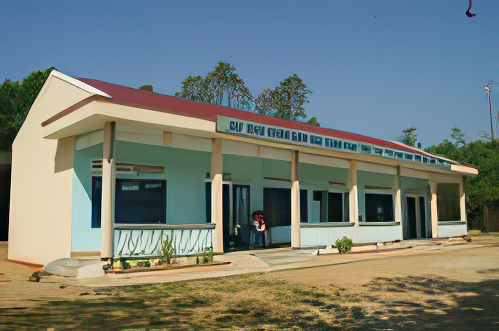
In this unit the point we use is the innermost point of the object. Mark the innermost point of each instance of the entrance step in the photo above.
(73, 268)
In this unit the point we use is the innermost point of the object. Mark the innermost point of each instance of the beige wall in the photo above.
(42, 173)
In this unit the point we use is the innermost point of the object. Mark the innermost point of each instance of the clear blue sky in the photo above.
(375, 67)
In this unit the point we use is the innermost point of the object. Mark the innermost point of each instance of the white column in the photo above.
(108, 189)
(353, 200)
(398, 201)
(295, 202)
(462, 201)
(433, 209)
(217, 195)
(398, 197)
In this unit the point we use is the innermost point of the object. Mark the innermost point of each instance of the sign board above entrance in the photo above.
(298, 137)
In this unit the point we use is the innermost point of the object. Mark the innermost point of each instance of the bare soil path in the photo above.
(442, 288)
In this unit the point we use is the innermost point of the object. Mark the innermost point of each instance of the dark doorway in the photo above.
(227, 226)
(411, 217)
(422, 217)
(277, 206)
(415, 217)
(242, 222)
(235, 213)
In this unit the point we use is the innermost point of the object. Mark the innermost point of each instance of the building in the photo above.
(105, 170)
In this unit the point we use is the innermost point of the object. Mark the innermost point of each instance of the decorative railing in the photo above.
(145, 240)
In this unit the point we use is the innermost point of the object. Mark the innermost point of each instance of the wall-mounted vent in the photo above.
(96, 165)
(124, 167)
(129, 169)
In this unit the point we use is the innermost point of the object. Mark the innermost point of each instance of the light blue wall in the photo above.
(246, 170)
(185, 173)
(83, 237)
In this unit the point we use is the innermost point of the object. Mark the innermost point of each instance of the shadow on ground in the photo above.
(262, 302)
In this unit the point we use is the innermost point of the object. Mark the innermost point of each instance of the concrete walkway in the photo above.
(244, 262)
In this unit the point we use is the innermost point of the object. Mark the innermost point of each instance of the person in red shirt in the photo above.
(259, 226)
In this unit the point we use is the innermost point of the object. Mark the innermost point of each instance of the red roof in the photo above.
(175, 105)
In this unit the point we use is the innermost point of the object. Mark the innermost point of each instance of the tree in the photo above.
(291, 95)
(286, 100)
(458, 137)
(409, 137)
(313, 121)
(482, 190)
(194, 88)
(16, 100)
(265, 104)
(222, 86)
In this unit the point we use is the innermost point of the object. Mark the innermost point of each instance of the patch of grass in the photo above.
(265, 302)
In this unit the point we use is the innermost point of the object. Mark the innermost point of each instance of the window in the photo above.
(140, 201)
(379, 207)
(448, 205)
(303, 206)
(136, 201)
(365, 149)
(333, 206)
(96, 201)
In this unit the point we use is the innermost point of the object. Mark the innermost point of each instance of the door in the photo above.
(228, 229)
(242, 222)
(277, 207)
(415, 217)
(411, 218)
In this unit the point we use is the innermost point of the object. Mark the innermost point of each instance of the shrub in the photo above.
(344, 244)
(207, 255)
(167, 251)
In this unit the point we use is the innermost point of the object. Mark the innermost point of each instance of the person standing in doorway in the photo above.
(259, 228)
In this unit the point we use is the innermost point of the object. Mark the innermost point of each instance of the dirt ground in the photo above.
(446, 288)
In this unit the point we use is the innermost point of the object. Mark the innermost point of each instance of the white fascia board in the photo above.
(468, 171)
(79, 84)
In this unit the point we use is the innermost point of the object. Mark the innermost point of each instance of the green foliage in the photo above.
(194, 88)
(167, 251)
(313, 121)
(207, 255)
(344, 244)
(266, 103)
(410, 137)
(458, 137)
(286, 100)
(222, 86)
(482, 189)
(16, 99)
